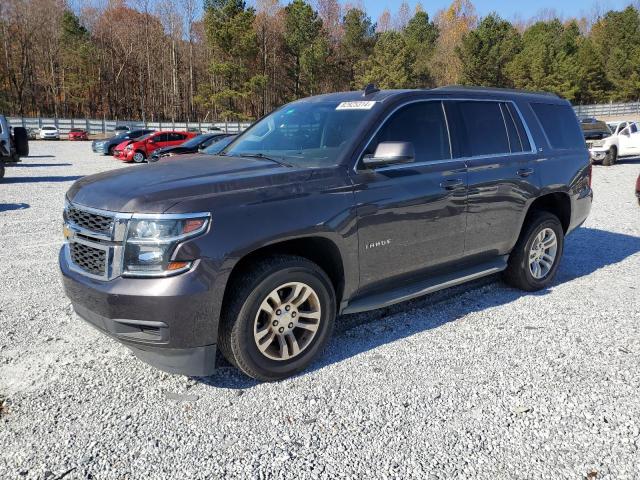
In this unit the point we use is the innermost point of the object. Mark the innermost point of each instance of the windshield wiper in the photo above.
(262, 156)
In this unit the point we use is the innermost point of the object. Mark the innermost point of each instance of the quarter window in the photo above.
(423, 124)
(560, 125)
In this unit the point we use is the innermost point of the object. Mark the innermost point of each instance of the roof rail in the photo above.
(495, 89)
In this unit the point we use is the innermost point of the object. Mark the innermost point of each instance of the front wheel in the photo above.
(138, 157)
(534, 261)
(611, 157)
(279, 319)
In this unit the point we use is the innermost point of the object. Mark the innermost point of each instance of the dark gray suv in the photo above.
(333, 204)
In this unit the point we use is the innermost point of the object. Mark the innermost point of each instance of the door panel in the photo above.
(501, 173)
(411, 217)
(629, 140)
(499, 191)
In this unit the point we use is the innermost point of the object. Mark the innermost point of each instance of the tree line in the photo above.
(225, 60)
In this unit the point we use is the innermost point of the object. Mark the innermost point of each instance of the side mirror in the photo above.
(390, 153)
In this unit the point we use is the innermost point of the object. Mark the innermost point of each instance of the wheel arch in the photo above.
(320, 250)
(557, 203)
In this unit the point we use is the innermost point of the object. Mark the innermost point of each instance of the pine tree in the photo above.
(485, 52)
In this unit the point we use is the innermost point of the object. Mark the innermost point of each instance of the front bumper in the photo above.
(98, 148)
(598, 154)
(170, 323)
(124, 155)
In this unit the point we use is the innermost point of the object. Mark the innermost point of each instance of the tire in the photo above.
(519, 272)
(1, 170)
(244, 318)
(110, 151)
(138, 157)
(21, 141)
(611, 157)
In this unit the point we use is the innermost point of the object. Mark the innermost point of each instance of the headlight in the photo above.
(598, 143)
(151, 242)
(129, 147)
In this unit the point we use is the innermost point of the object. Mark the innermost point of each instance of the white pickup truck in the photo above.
(606, 144)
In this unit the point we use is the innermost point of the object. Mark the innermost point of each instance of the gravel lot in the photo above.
(479, 381)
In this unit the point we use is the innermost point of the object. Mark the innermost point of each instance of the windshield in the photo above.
(143, 137)
(218, 145)
(303, 133)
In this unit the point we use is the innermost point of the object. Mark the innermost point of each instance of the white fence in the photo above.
(608, 110)
(97, 127)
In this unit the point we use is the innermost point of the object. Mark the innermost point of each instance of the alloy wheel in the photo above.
(287, 321)
(542, 254)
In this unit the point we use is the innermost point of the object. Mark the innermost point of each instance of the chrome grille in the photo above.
(90, 221)
(92, 260)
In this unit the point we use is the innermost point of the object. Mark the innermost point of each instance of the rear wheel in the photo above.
(611, 157)
(534, 261)
(280, 318)
(138, 157)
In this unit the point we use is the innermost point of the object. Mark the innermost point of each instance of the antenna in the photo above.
(369, 89)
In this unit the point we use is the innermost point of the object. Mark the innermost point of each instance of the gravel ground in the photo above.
(480, 381)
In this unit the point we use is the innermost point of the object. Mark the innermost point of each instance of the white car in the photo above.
(49, 132)
(607, 145)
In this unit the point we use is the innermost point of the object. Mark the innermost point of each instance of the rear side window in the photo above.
(484, 128)
(560, 124)
(422, 124)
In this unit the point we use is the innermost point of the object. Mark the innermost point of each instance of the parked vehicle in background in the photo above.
(32, 133)
(139, 149)
(49, 132)
(218, 146)
(118, 150)
(106, 147)
(383, 197)
(14, 143)
(121, 129)
(78, 134)
(606, 146)
(196, 144)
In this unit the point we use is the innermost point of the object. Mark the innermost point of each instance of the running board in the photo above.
(423, 287)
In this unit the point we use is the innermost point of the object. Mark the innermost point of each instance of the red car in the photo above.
(139, 149)
(78, 134)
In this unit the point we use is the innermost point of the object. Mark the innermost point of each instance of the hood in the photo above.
(154, 188)
(122, 145)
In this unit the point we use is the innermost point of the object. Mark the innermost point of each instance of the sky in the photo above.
(508, 9)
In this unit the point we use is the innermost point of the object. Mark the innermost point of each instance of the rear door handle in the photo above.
(452, 183)
(524, 172)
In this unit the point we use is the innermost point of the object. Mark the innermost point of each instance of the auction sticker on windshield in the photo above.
(358, 105)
